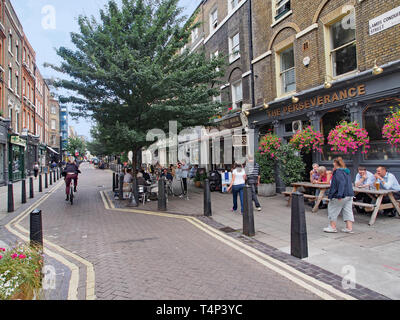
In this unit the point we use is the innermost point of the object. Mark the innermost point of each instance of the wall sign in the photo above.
(318, 101)
(384, 21)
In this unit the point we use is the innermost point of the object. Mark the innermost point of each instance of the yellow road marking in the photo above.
(74, 281)
(273, 264)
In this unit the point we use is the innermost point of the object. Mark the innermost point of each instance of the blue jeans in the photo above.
(238, 189)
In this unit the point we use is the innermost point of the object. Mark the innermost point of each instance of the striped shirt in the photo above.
(252, 170)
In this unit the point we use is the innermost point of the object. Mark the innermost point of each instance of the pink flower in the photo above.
(2, 249)
(22, 256)
(14, 255)
(1, 257)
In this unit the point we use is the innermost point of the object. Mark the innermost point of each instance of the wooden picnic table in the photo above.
(376, 195)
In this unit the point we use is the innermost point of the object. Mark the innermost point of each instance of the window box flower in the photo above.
(391, 129)
(308, 140)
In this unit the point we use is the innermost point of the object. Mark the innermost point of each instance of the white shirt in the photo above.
(239, 177)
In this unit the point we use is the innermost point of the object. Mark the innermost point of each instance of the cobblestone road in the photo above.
(144, 257)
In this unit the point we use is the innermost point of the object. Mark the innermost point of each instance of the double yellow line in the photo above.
(319, 288)
(15, 228)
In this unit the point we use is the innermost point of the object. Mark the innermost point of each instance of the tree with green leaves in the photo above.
(76, 144)
(128, 73)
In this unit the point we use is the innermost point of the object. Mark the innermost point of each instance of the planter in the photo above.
(198, 184)
(24, 293)
(267, 190)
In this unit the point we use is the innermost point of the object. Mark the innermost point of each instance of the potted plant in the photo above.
(308, 140)
(348, 137)
(199, 178)
(391, 129)
(20, 273)
(267, 187)
(291, 165)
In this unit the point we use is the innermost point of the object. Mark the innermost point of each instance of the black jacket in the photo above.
(341, 184)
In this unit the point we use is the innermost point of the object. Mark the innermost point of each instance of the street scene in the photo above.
(205, 150)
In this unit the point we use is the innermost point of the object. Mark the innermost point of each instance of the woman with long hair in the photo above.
(237, 186)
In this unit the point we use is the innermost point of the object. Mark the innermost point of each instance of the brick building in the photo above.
(54, 129)
(317, 62)
(40, 117)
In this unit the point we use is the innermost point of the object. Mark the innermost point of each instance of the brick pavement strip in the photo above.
(145, 256)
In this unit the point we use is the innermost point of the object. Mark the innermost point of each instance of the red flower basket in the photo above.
(348, 137)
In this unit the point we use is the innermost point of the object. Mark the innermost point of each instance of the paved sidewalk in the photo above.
(371, 253)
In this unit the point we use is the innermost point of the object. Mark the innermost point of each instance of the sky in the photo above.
(47, 25)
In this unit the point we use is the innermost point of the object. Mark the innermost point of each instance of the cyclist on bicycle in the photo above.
(70, 173)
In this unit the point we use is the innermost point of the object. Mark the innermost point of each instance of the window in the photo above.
(328, 122)
(28, 122)
(213, 20)
(195, 34)
(29, 91)
(10, 40)
(237, 95)
(374, 120)
(287, 71)
(53, 110)
(343, 53)
(23, 86)
(53, 124)
(217, 99)
(16, 52)
(17, 121)
(24, 120)
(281, 7)
(232, 4)
(24, 56)
(16, 84)
(234, 48)
(10, 78)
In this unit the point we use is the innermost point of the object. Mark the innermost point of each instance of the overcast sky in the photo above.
(46, 34)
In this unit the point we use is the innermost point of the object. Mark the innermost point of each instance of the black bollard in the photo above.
(36, 231)
(248, 216)
(121, 186)
(58, 174)
(134, 201)
(10, 202)
(40, 183)
(207, 199)
(46, 180)
(113, 182)
(23, 191)
(162, 199)
(54, 176)
(31, 196)
(50, 179)
(116, 181)
(299, 246)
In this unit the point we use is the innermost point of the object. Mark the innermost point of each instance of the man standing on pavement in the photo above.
(185, 173)
(253, 178)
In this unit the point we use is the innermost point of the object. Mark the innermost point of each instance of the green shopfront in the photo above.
(17, 149)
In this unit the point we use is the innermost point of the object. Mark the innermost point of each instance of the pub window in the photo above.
(374, 120)
(343, 49)
(328, 122)
(195, 34)
(280, 8)
(287, 72)
(237, 95)
(232, 4)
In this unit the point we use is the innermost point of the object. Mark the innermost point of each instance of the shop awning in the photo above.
(52, 150)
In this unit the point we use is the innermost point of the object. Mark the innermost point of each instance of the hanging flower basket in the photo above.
(391, 129)
(348, 137)
(269, 145)
(308, 140)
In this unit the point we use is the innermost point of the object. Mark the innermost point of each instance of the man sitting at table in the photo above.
(388, 181)
(364, 179)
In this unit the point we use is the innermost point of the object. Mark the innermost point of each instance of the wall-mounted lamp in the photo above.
(376, 70)
(266, 105)
(328, 84)
(247, 113)
(295, 99)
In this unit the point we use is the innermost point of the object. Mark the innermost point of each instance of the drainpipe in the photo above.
(251, 54)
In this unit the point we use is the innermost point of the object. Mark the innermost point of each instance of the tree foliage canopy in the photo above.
(128, 73)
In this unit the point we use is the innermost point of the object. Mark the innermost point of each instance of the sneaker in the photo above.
(74, 189)
(347, 231)
(67, 198)
(330, 230)
(259, 209)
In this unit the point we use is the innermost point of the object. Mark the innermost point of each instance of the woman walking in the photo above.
(237, 186)
(341, 197)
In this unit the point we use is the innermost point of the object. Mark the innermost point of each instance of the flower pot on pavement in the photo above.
(267, 190)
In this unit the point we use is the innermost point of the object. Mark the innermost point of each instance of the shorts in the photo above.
(345, 206)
